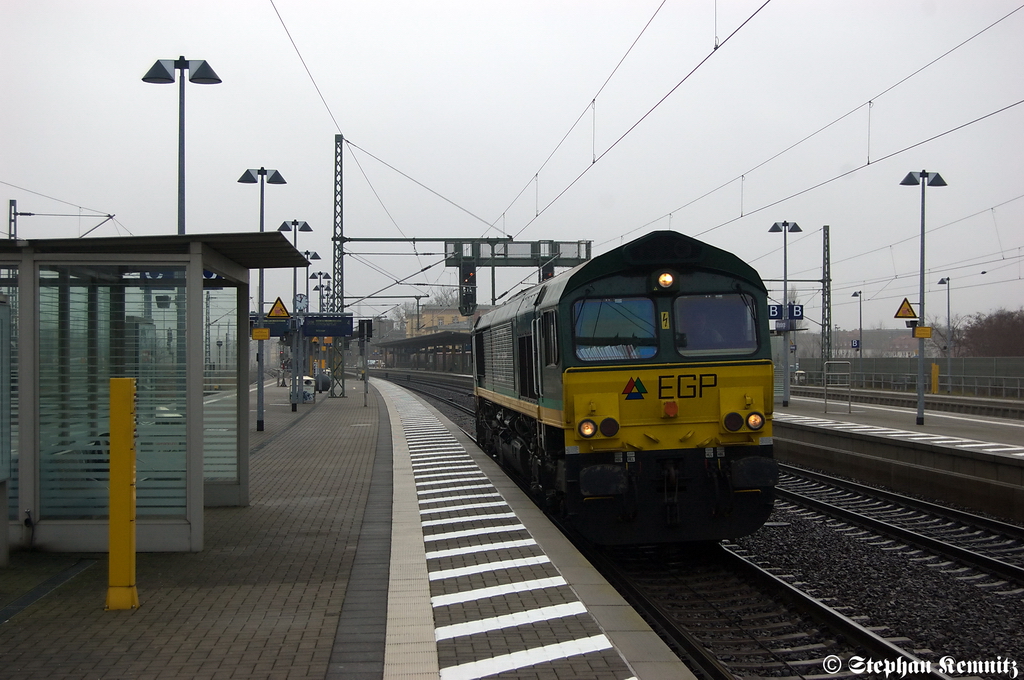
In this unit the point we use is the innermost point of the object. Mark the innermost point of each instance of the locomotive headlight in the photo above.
(665, 280)
(587, 428)
(755, 421)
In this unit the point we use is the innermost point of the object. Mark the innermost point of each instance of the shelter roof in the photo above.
(445, 338)
(252, 250)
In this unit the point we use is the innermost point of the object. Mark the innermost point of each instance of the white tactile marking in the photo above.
(505, 528)
(467, 506)
(527, 657)
(557, 611)
(436, 462)
(490, 566)
(449, 499)
(496, 591)
(468, 518)
(485, 547)
(937, 439)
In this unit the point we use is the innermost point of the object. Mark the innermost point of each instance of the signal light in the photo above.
(755, 421)
(609, 427)
(665, 279)
(733, 421)
(587, 428)
(467, 288)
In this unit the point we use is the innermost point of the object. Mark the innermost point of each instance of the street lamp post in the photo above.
(251, 176)
(306, 342)
(933, 179)
(320, 287)
(860, 332)
(785, 228)
(948, 283)
(200, 72)
(295, 226)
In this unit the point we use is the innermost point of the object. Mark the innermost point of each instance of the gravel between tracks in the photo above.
(941, 614)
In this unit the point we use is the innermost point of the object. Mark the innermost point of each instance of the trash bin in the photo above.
(323, 382)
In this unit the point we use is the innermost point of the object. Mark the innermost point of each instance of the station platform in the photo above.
(378, 543)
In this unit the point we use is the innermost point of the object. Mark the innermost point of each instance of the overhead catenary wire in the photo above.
(868, 103)
(643, 117)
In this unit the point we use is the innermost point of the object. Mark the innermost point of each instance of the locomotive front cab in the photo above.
(667, 407)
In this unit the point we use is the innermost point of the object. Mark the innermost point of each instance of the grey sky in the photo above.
(471, 98)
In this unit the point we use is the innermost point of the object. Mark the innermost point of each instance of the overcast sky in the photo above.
(455, 112)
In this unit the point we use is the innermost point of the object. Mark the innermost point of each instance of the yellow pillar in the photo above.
(935, 378)
(121, 591)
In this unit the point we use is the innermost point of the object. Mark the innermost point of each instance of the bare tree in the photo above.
(1000, 334)
(949, 335)
(447, 296)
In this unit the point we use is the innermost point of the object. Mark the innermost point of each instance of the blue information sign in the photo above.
(327, 325)
(795, 311)
(278, 327)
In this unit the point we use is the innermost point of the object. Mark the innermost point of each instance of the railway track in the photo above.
(732, 618)
(991, 551)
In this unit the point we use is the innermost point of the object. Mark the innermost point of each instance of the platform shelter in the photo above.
(171, 312)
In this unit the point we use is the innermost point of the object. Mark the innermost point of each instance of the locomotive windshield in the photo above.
(715, 324)
(605, 329)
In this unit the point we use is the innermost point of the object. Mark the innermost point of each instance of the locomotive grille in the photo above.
(498, 357)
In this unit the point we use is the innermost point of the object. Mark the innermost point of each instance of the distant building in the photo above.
(440, 319)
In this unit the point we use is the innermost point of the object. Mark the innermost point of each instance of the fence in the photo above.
(1001, 378)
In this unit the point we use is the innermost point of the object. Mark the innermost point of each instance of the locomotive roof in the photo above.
(665, 249)
(651, 251)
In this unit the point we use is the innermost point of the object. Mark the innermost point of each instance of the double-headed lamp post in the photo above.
(251, 176)
(948, 283)
(320, 277)
(199, 72)
(785, 228)
(932, 179)
(295, 226)
(860, 331)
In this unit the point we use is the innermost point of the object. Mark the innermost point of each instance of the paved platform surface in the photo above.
(297, 584)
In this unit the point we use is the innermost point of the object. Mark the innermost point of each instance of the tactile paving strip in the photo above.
(500, 607)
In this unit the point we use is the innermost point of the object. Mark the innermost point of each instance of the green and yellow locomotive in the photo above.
(633, 393)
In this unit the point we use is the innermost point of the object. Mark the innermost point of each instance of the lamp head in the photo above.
(162, 72)
(944, 281)
(856, 294)
(199, 72)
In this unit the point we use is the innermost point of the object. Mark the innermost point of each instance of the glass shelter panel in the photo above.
(98, 322)
(220, 383)
(9, 387)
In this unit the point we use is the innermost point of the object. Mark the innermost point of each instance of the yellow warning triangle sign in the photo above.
(905, 311)
(279, 311)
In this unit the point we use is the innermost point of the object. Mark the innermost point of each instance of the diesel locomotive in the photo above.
(633, 393)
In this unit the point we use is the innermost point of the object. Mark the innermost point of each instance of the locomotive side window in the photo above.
(606, 329)
(715, 324)
(549, 332)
